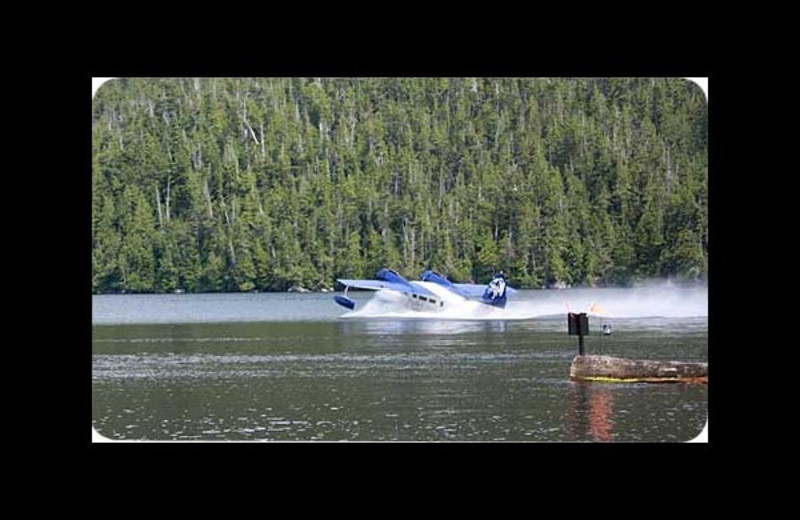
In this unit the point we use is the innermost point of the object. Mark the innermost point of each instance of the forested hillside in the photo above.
(243, 184)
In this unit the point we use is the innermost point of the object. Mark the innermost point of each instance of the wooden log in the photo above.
(612, 369)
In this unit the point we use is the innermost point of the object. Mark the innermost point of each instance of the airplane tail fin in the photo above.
(495, 293)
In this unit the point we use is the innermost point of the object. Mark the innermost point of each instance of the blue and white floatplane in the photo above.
(434, 292)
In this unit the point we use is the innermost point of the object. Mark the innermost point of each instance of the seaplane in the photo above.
(434, 292)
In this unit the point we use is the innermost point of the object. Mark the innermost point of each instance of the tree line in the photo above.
(263, 184)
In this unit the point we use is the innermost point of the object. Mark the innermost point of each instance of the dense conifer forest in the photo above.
(266, 184)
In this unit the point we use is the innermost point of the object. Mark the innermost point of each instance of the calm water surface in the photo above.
(287, 367)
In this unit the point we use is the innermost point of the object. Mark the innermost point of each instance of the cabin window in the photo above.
(441, 304)
(423, 298)
(414, 296)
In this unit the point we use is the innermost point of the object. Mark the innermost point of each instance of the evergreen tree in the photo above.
(241, 184)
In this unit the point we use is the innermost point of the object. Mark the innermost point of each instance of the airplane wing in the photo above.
(377, 285)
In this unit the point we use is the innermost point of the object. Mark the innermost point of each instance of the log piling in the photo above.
(621, 370)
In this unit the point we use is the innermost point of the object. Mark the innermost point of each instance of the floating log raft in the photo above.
(620, 370)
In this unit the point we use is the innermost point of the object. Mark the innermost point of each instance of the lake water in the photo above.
(290, 367)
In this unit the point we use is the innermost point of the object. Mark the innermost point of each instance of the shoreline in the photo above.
(647, 284)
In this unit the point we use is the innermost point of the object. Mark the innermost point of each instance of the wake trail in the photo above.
(647, 302)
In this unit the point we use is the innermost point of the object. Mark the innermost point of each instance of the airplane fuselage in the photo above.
(436, 303)
(442, 300)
